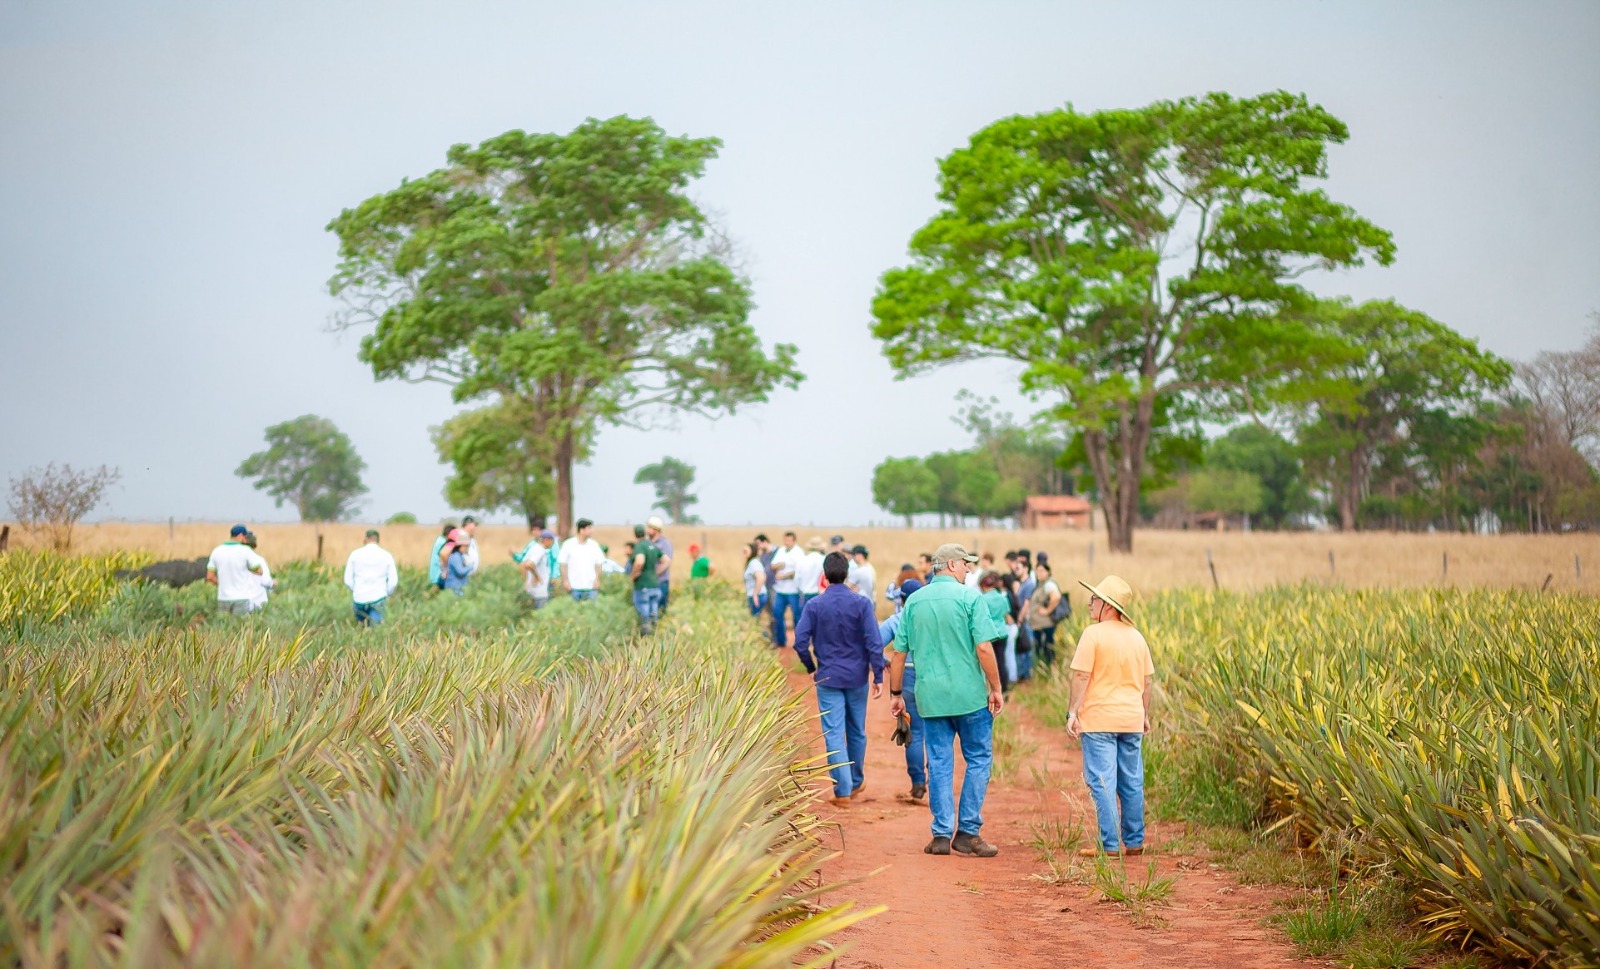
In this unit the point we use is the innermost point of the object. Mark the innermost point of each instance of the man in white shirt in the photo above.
(470, 553)
(371, 576)
(808, 573)
(785, 590)
(863, 577)
(235, 569)
(581, 560)
(536, 568)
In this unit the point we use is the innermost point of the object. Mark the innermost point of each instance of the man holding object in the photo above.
(946, 631)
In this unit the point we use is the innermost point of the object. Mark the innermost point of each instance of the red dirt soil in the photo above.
(956, 912)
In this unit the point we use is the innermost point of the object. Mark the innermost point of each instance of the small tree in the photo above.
(672, 480)
(498, 465)
(312, 464)
(53, 499)
(905, 486)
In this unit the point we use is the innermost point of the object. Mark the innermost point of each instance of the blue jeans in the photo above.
(582, 595)
(844, 730)
(666, 593)
(780, 602)
(757, 604)
(647, 602)
(976, 732)
(917, 746)
(1113, 764)
(369, 613)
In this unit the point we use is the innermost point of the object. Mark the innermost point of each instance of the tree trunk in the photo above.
(1114, 502)
(908, 525)
(565, 450)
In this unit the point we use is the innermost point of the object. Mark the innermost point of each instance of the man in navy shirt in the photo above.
(837, 639)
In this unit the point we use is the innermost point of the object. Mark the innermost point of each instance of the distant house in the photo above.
(1055, 511)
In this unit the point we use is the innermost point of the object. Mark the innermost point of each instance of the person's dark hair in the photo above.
(752, 551)
(990, 580)
(836, 567)
(1025, 556)
(926, 557)
(629, 547)
(1043, 563)
(448, 528)
(638, 531)
(790, 535)
(469, 520)
(1011, 556)
(584, 523)
(763, 537)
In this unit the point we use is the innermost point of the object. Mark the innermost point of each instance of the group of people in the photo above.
(948, 652)
(581, 563)
(243, 578)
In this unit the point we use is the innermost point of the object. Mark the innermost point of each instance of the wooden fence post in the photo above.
(1213, 567)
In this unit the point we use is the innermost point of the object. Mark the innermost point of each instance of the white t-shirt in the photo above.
(786, 560)
(233, 563)
(865, 579)
(808, 574)
(580, 560)
(264, 584)
(370, 574)
(537, 570)
(754, 572)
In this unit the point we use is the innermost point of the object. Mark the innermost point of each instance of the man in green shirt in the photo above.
(946, 631)
(701, 569)
(646, 583)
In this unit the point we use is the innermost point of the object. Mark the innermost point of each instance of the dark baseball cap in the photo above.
(836, 540)
(238, 530)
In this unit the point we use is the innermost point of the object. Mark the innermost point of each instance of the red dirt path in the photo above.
(975, 913)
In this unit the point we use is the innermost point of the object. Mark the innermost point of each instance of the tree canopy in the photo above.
(673, 480)
(570, 274)
(905, 486)
(497, 466)
(1141, 266)
(311, 464)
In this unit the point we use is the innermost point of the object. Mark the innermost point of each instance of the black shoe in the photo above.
(919, 792)
(971, 844)
(938, 846)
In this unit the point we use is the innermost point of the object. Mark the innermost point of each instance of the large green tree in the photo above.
(905, 486)
(569, 274)
(310, 464)
(1404, 370)
(497, 465)
(1128, 258)
(673, 481)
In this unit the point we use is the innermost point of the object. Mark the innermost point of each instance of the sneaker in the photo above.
(1132, 852)
(919, 793)
(971, 844)
(839, 801)
(938, 846)
(1088, 852)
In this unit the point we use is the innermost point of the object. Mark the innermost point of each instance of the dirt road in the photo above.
(956, 912)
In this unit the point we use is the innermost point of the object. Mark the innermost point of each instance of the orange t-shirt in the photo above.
(1117, 659)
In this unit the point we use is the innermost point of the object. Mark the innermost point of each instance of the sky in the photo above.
(168, 170)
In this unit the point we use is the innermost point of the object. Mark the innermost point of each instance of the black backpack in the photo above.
(1063, 610)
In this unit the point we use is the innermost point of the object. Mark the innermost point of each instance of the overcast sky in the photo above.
(167, 170)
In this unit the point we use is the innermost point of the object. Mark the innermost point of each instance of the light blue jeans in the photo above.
(370, 613)
(917, 746)
(976, 733)
(647, 603)
(1113, 764)
(584, 595)
(844, 730)
(780, 602)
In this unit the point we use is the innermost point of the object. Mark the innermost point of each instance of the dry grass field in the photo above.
(1161, 559)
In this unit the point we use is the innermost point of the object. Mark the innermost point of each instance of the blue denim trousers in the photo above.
(780, 602)
(666, 593)
(1113, 764)
(844, 730)
(917, 746)
(975, 730)
(583, 595)
(369, 613)
(757, 603)
(647, 602)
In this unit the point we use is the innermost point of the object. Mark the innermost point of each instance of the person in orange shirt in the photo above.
(1109, 713)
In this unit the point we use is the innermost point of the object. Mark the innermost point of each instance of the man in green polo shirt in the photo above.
(946, 631)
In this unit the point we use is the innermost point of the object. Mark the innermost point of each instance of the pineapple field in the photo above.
(470, 783)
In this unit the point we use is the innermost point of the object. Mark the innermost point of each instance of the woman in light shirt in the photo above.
(755, 580)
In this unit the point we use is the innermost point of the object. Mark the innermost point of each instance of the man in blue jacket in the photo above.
(837, 639)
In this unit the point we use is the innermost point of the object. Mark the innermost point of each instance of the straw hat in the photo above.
(816, 544)
(1115, 590)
